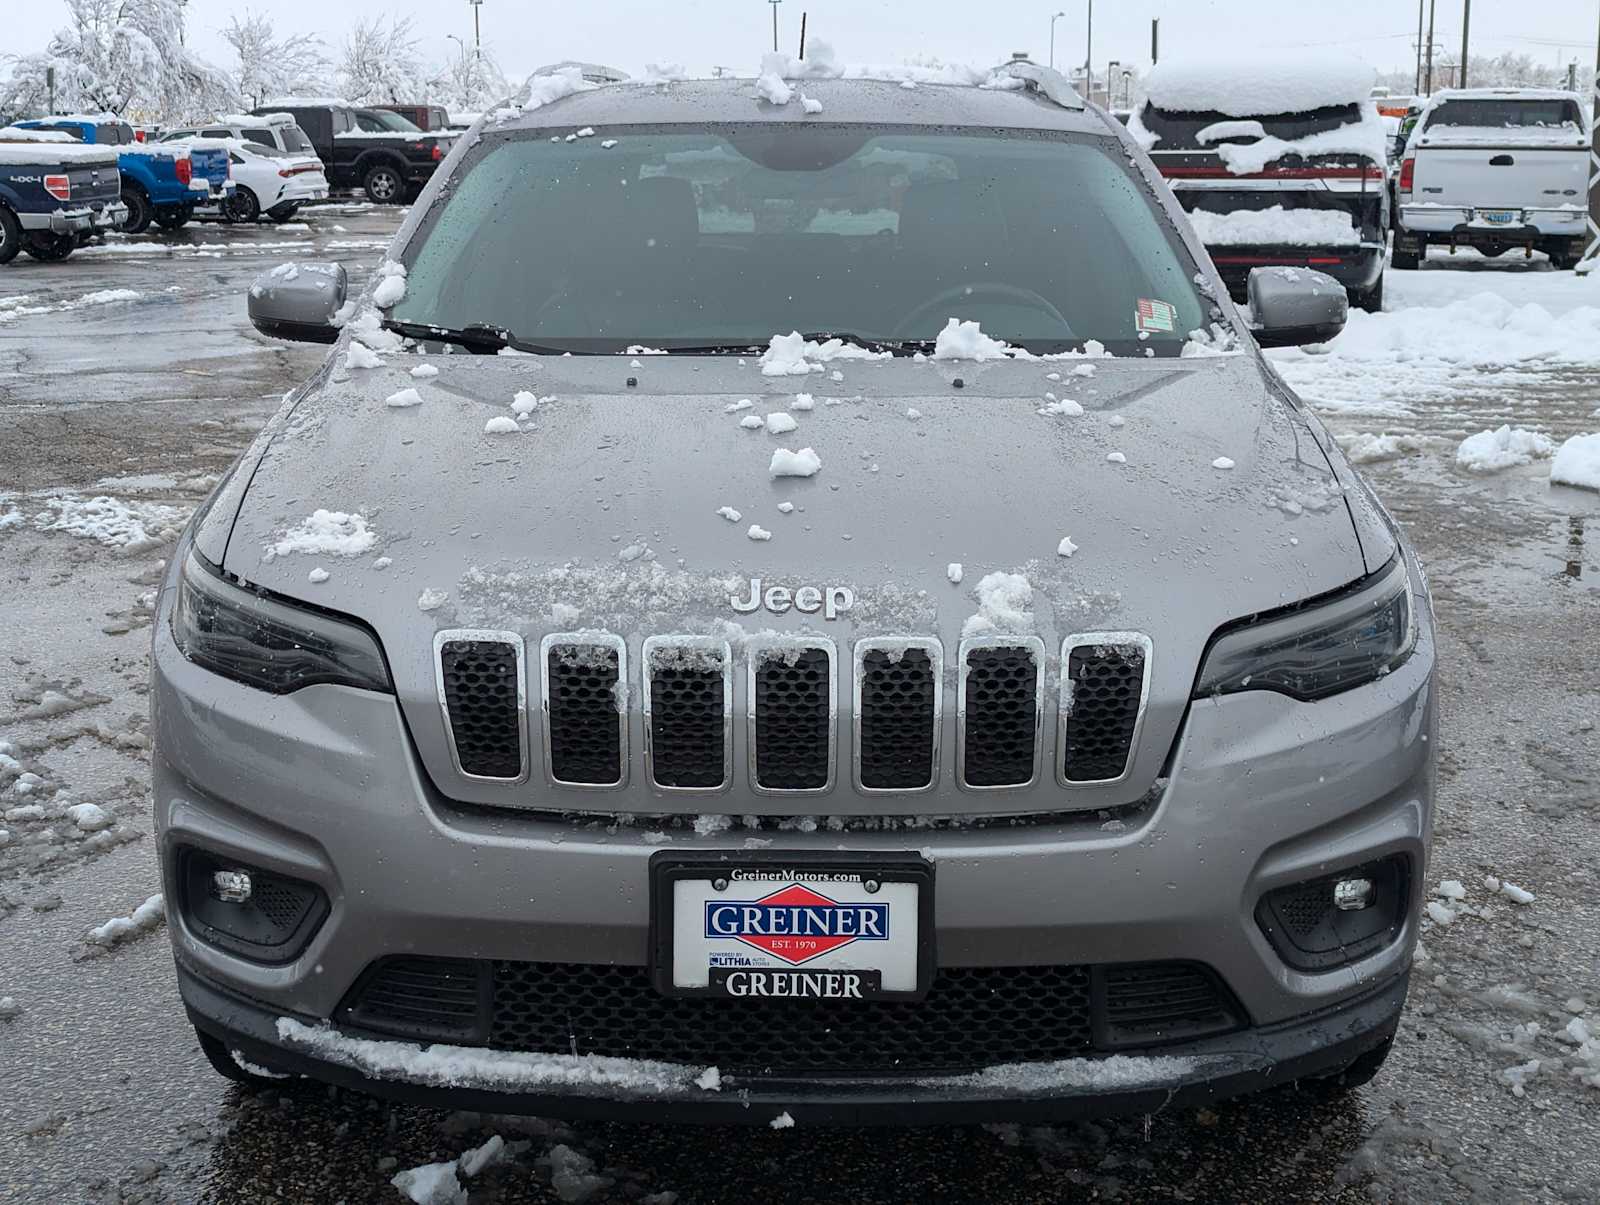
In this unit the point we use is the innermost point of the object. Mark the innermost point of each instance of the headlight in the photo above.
(266, 643)
(1320, 649)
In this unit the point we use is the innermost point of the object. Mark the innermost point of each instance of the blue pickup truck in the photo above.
(55, 195)
(161, 182)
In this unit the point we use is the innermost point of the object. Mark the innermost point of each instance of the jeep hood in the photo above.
(610, 508)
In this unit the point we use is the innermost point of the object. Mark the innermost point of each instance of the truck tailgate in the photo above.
(1508, 176)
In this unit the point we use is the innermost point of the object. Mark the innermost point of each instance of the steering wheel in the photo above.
(967, 294)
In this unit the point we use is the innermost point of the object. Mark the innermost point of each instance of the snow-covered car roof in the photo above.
(1445, 94)
(1259, 84)
(91, 118)
(246, 121)
(17, 134)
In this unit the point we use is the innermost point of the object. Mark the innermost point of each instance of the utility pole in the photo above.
(1466, 26)
(477, 32)
(774, 4)
(1420, 5)
(1155, 40)
(1088, 57)
(1591, 257)
(1432, 5)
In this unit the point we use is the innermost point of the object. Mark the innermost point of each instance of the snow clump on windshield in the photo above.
(966, 341)
(794, 355)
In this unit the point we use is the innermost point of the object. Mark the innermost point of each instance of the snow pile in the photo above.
(361, 356)
(1365, 138)
(1367, 448)
(1277, 226)
(111, 521)
(794, 355)
(955, 571)
(728, 513)
(401, 400)
(89, 817)
(326, 532)
(1227, 131)
(423, 371)
(758, 532)
(501, 425)
(966, 341)
(1066, 547)
(465, 1066)
(804, 463)
(141, 920)
(1061, 407)
(541, 90)
(1578, 462)
(751, 422)
(391, 286)
(1250, 85)
(1222, 462)
(1488, 451)
(431, 599)
(779, 423)
(1005, 604)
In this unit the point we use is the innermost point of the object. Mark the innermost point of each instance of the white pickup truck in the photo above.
(1495, 168)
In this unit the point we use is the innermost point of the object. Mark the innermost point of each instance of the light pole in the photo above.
(1466, 26)
(774, 4)
(1088, 57)
(461, 44)
(1053, 21)
(477, 32)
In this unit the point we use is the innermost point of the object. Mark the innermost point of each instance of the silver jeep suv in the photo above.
(877, 643)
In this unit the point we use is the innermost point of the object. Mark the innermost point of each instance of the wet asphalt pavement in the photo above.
(104, 1095)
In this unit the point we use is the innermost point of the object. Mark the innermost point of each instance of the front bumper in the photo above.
(1187, 1076)
(324, 786)
(1357, 268)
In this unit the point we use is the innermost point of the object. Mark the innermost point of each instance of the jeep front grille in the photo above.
(585, 709)
(793, 715)
(1104, 682)
(897, 714)
(481, 679)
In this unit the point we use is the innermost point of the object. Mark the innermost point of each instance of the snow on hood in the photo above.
(1275, 81)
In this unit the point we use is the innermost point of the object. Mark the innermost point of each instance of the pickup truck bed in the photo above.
(54, 196)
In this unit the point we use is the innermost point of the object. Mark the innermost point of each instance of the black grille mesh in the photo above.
(972, 1017)
(1107, 684)
(1002, 705)
(897, 719)
(585, 732)
(688, 730)
(480, 694)
(793, 720)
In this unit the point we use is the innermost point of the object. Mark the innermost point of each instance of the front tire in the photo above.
(243, 207)
(383, 185)
(49, 248)
(10, 235)
(1370, 300)
(173, 219)
(139, 211)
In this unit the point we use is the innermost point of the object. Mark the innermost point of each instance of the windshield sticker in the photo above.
(1156, 317)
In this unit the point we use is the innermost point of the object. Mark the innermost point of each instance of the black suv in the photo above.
(377, 151)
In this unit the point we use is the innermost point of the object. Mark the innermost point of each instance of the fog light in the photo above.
(233, 886)
(1352, 895)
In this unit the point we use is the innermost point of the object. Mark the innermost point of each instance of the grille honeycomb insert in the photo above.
(582, 713)
(1106, 690)
(688, 716)
(793, 702)
(897, 697)
(1001, 716)
(481, 683)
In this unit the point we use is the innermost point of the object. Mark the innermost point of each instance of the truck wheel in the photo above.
(1370, 300)
(1407, 261)
(244, 207)
(139, 211)
(10, 235)
(221, 1060)
(383, 185)
(49, 248)
(173, 219)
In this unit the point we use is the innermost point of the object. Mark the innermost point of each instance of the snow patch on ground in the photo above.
(1578, 462)
(1504, 448)
(118, 929)
(1368, 448)
(112, 521)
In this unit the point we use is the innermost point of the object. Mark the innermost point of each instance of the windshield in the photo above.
(378, 120)
(727, 237)
(1508, 113)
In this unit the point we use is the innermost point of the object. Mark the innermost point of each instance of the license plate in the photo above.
(825, 927)
(1500, 217)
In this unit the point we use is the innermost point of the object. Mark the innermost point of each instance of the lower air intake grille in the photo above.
(688, 716)
(793, 701)
(897, 706)
(583, 713)
(1001, 705)
(1106, 689)
(481, 684)
(972, 1017)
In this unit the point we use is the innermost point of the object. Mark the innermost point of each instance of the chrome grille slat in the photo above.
(688, 702)
(1105, 689)
(999, 713)
(793, 703)
(481, 678)
(583, 696)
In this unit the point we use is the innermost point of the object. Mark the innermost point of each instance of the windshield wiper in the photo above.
(480, 338)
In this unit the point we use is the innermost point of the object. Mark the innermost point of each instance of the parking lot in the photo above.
(129, 379)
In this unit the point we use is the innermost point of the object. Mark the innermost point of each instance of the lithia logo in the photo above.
(832, 601)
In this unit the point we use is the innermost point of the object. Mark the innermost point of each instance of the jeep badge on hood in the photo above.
(831, 600)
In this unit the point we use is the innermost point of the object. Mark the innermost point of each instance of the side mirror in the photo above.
(298, 301)
(1290, 307)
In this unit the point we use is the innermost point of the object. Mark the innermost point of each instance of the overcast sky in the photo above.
(701, 33)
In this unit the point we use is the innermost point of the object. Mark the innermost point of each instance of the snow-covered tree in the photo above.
(470, 83)
(272, 66)
(380, 64)
(117, 55)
